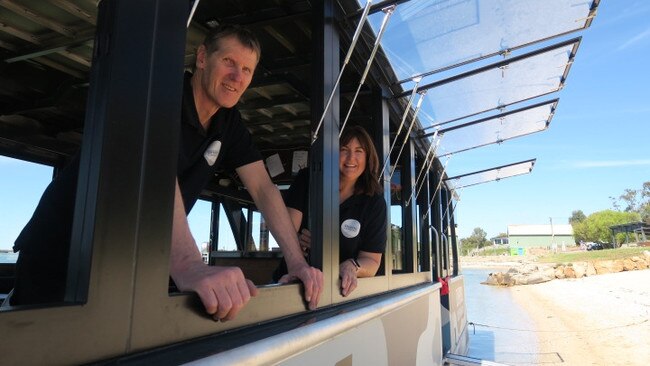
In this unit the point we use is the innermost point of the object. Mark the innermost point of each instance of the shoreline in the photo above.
(596, 320)
(485, 262)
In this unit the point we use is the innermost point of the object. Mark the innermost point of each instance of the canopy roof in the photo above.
(474, 58)
(491, 174)
(425, 37)
(482, 68)
(496, 129)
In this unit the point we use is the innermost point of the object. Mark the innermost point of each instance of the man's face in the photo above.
(227, 72)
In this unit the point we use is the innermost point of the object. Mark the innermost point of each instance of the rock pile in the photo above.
(528, 274)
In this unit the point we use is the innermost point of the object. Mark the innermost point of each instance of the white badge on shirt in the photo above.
(350, 228)
(212, 152)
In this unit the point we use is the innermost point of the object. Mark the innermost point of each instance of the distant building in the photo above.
(499, 240)
(540, 236)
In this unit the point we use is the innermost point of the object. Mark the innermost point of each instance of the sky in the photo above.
(596, 145)
(595, 148)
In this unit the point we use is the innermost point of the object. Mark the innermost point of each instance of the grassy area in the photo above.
(606, 254)
(497, 251)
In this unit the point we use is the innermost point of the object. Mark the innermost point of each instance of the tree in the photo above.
(596, 226)
(478, 239)
(577, 217)
(635, 200)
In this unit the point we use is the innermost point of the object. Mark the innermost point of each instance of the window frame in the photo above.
(122, 233)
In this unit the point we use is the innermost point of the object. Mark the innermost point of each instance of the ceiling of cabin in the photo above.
(46, 46)
(472, 58)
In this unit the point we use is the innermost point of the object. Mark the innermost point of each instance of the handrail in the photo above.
(447, 268)
(431, 227)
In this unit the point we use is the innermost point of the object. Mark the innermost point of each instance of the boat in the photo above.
(105, 77)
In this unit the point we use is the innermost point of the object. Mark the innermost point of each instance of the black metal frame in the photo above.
(125, 193)
(122, 234)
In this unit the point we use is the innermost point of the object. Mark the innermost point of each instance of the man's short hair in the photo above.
(243, 35)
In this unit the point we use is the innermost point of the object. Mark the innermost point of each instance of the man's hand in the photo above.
(348, 274)
(312, 279)
(304, 237)
(269, 201)
(223, 290)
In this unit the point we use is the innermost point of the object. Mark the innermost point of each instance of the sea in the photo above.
(499, 329)
(8, 257)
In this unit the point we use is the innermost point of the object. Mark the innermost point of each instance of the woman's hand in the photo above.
(348, 274)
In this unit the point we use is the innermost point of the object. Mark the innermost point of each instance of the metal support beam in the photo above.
(324, 169)
(380, 132)
(409, 213)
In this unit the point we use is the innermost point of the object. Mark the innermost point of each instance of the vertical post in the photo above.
(426, 241)
(409, 212)
(214, 230)
(553, 246)
(128, 157)
(436, 220)
(444, 199)
(452, 239)
(324, 172)
(380, 132)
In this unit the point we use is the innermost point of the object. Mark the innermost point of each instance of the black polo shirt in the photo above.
(226, 145)
(44, 242)
(362, 218)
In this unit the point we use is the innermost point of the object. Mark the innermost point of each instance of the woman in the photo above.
(362, 209)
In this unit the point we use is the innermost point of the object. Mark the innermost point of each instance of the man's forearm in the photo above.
(281, 226)
(269, 201)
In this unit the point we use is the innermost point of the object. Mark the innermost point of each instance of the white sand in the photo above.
(597, 320)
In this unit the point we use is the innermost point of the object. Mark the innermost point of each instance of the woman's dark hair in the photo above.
(243, 35)
(367, 182)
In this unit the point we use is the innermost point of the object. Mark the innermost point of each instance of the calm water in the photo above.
(503, 332)
(8, 257)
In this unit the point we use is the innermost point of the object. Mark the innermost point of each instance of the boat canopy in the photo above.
(491, 174)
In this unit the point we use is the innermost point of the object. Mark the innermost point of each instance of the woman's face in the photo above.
(352, 160)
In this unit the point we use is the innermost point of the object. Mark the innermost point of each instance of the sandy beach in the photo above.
(597, 320)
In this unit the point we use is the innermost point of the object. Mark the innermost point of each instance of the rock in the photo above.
(628, 264)
(491, 280)
(538, 278)
(529, 268)
(569, 272)
(603, 267)
(519, 279)
(494, 279)
(580, 269)
(513, 270)
(591, 269)
(530, 273)
(549, 272)
(618, 266)
(639, 262)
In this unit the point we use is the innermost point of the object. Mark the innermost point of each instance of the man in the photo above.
(212, 135)
(225, 64)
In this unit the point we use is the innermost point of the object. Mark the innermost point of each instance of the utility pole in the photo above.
(552, 236)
